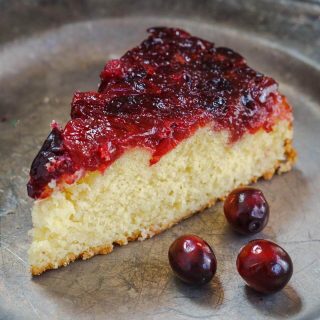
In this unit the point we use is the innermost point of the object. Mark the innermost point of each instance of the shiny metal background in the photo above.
(50, 49)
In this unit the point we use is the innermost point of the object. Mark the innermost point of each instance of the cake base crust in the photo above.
(279, 167)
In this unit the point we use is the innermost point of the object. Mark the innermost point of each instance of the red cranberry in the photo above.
(264, 265)
(192, 259)
(247, 210)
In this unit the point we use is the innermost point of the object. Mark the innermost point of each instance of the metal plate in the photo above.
(38, 75)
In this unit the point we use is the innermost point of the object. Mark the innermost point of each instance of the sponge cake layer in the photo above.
(133, 200)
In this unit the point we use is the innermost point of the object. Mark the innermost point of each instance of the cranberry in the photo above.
(265, 266)
(192, 259)
(247, 210)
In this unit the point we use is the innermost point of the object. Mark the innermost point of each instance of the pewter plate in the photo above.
(38, 75)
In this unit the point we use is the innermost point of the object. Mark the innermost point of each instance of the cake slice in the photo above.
(176, 124)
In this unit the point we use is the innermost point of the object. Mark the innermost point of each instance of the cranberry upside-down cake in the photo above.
(176, 124)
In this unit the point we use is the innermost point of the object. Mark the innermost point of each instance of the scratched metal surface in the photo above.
(39, 71)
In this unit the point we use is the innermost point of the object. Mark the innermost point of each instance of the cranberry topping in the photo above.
(265, 266)
(50, 152)
(153, 97)
(246, 210)
(192, 259)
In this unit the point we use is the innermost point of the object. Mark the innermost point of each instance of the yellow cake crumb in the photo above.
(135, 200)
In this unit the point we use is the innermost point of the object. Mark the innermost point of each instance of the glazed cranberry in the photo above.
(192, 259)
(265, 266)
(247, 210)
(155, 96)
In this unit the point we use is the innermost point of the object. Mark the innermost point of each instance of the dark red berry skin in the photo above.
(246, 210)
(192, 260)
(265, 266)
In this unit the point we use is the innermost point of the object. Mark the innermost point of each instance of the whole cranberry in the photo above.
(247, 210)
(192, 259)
(265, 266)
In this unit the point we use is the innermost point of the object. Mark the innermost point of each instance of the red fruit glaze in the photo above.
(265, 266)
(153, 97)
(246, 210)
(192, 260)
